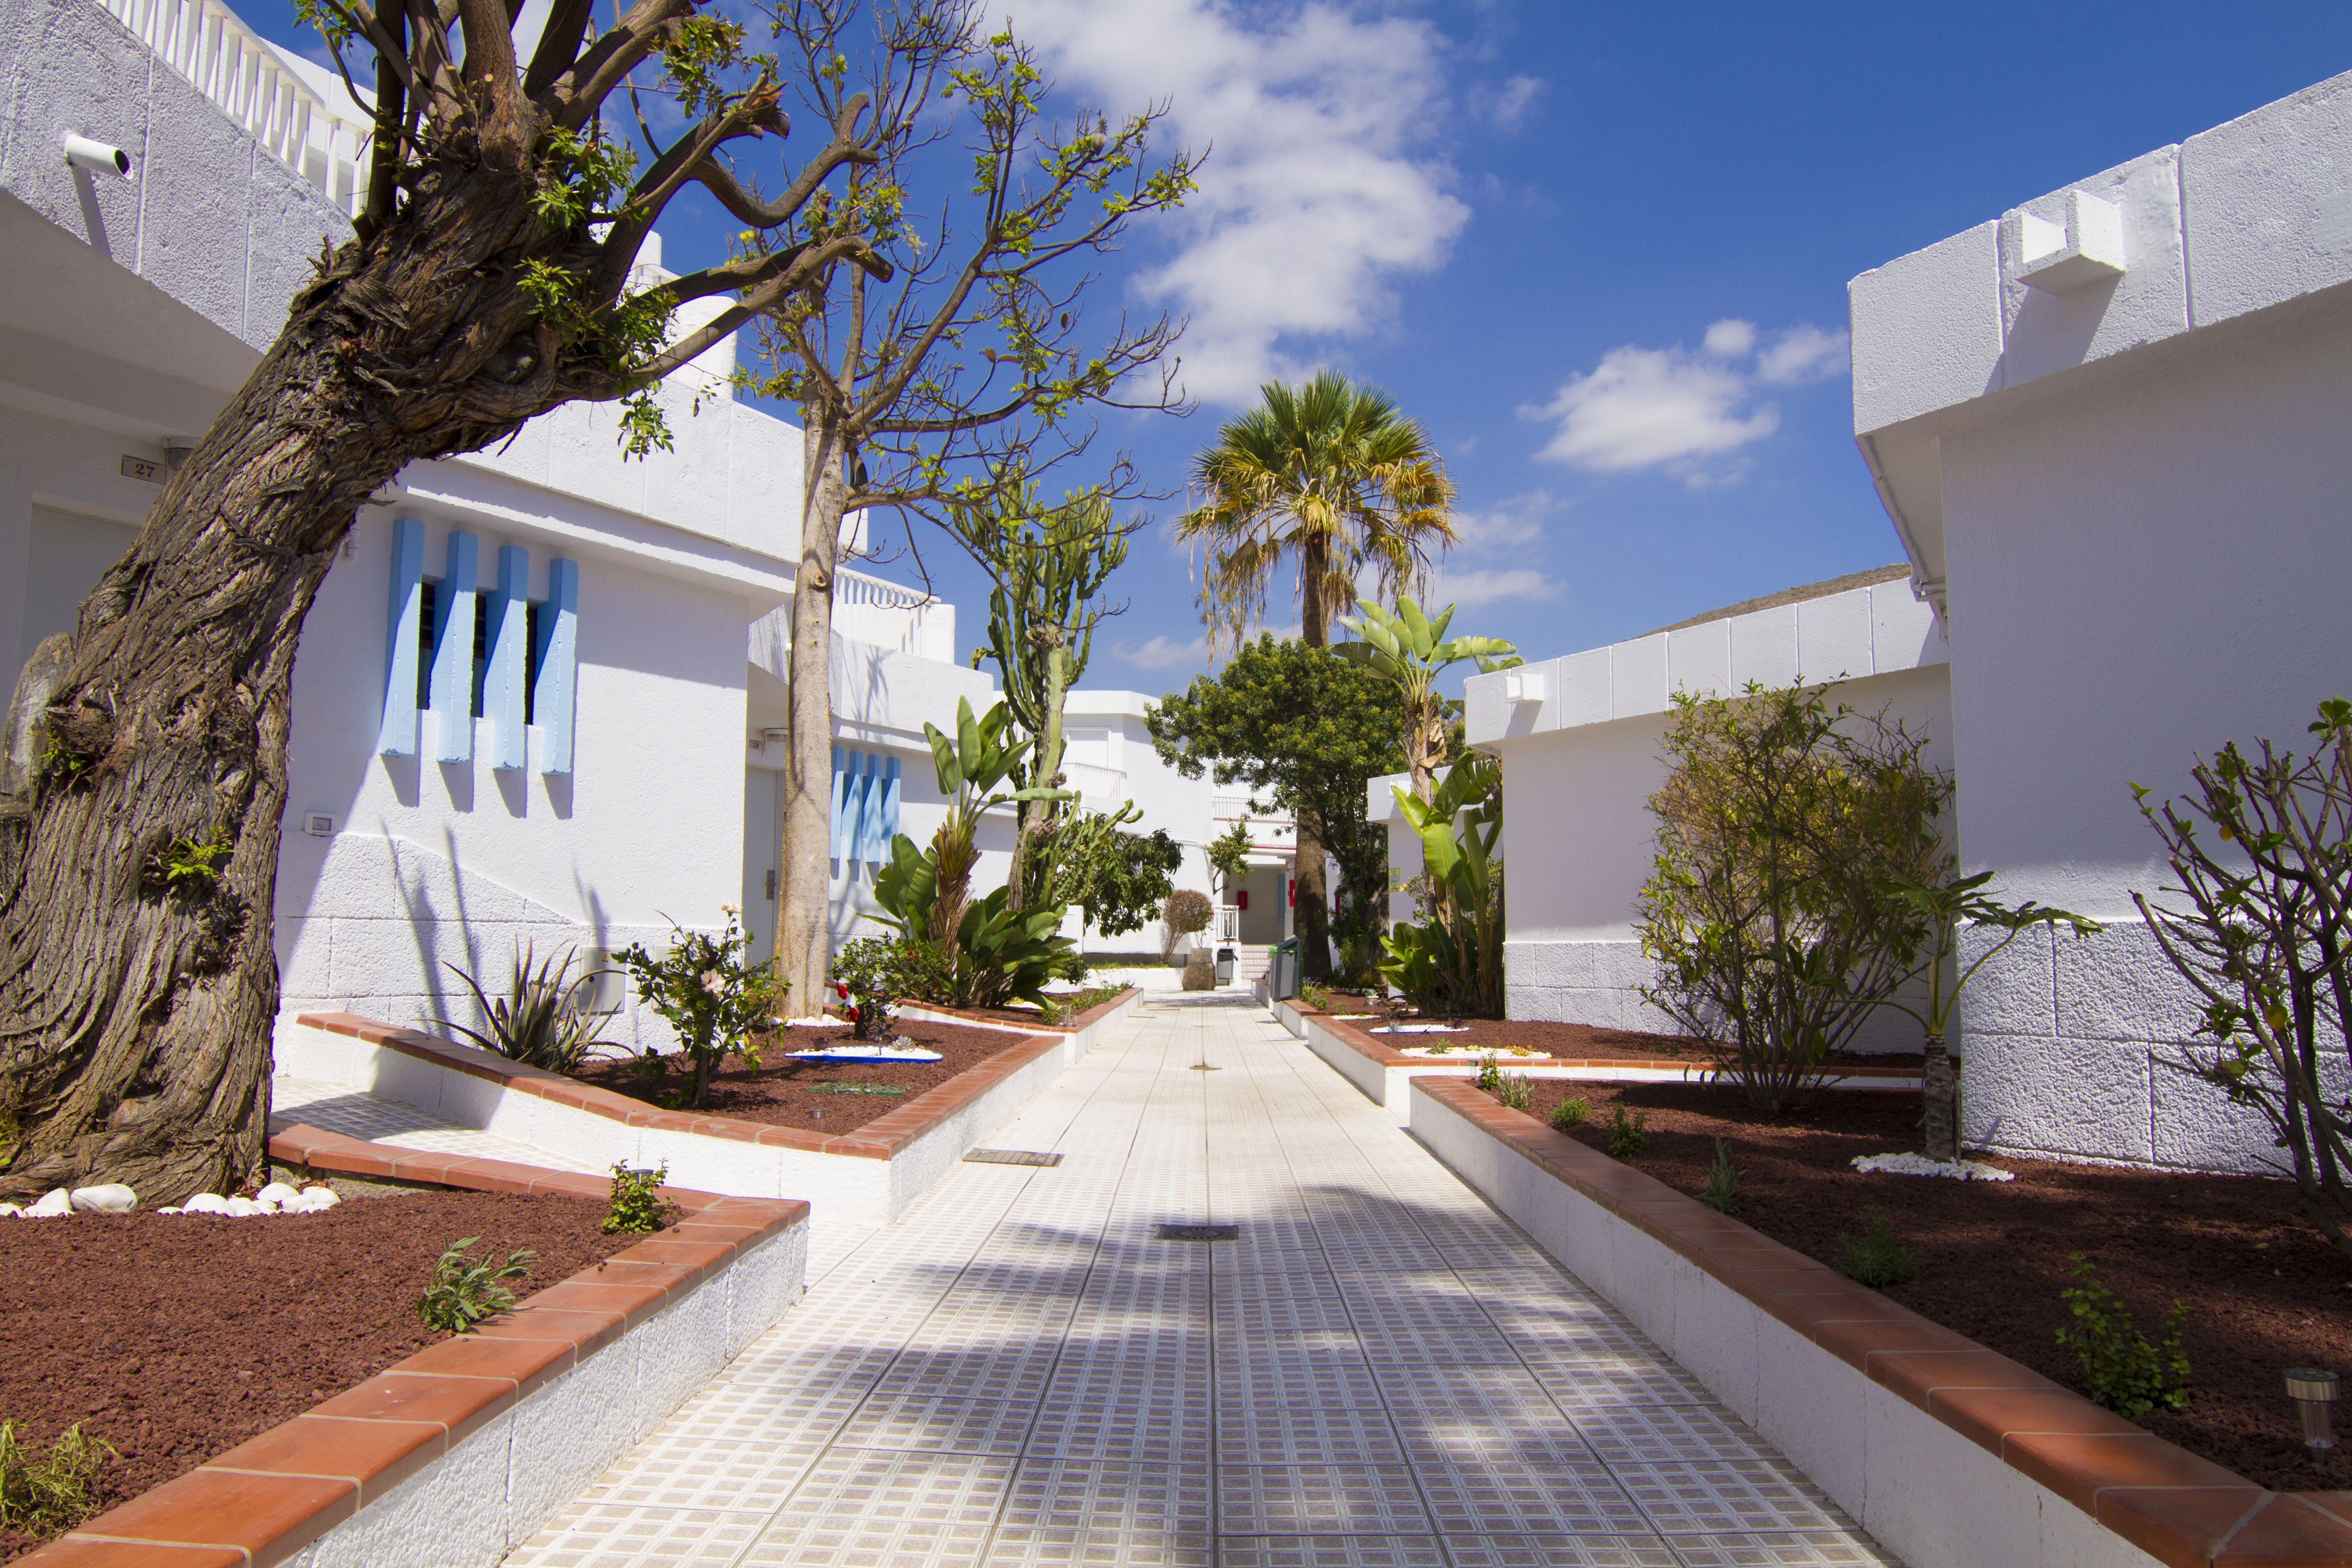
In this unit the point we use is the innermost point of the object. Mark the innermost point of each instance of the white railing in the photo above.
(1229, 922)
(228, 63)
(1229, 807)
(887, 615)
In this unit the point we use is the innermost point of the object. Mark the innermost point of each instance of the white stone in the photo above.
(111, 1199)
(205, 1203)
(319, 1199)
(242, 1208)
(10, 1209)
(1920, 1165)
(277, 1192)
(170, 1211)
(55, 1202)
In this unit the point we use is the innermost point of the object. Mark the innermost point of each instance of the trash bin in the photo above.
(1282, 975)
(1225, 966)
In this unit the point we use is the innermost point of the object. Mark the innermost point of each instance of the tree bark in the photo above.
(1939, 1102)
(136, 1008)
(1310, 898)
(804, 904)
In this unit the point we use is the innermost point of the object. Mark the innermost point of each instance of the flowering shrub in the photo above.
(707, 994)
(876, 972)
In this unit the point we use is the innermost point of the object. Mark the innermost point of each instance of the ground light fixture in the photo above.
(2313, 1391)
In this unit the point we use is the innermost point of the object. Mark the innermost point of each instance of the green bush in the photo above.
(638, 1205)
(464, 1291)
(706, 992)
(1452, 962)
(1628, 1138)
(1515, 1092)
(539, 1021)
(2126, 1372)
(1490, 1076)
(1315, 997)
(1878, 1260)
(1573, 1112)
(1186, 911)
(877, 972)
(1721, 1192)
(45, 1494)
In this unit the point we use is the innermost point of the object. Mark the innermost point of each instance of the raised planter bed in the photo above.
(456, 1456)
(1952, 1454)
(1381, 1072)
(866, 1177)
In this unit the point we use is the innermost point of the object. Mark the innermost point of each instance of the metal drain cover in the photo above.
(1200, 1233)
(1010, 1157)
(1205, 1067)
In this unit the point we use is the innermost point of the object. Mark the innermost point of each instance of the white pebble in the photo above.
(1920, 1165)
(55, 1202)
(167, 1211)
(275, 1193)
(320, 1198)
(205, 1203)
(243, 1209)
(111, 1198)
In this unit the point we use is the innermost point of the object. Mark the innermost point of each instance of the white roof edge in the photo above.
(1100, 701)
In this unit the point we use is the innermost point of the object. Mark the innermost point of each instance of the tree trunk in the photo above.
(804, 904)
(1029, 886)
(1940, 1102)
(1310, 906)
(136, 1008)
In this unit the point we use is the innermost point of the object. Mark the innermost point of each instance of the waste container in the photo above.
(1225, 966)
(1282, 975)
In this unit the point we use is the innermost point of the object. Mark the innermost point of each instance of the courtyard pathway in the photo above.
(1377, 1369)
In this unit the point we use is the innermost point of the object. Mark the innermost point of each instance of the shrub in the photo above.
(1779, 826)
(2126, 1372)
(45, 1494)
(877, 972)
(1515, 1092)
(706, 992)
(1877, 1259)
(1573, 1112)
(1452, 962)
(1186, 911)
(538, 1021)
(2264, 942)
(465, 1291)
(1490, 1076)
(638, 1204)
(1628, 1138)
(1721, 1192)
(1315, 997)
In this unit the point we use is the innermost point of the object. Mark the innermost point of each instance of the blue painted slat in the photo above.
(453, 652)
(865, 786)
(840, 799)
(552, 694)
(502, 682)
(396, 734)
(889, 808)
(881, 819)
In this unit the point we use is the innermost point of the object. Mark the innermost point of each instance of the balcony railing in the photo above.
(1229, 922)
(203, 40)
(886, 615)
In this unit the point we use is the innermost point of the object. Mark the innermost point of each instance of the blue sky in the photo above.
(1600, 253)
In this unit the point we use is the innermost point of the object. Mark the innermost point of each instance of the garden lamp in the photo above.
(2313, 1392)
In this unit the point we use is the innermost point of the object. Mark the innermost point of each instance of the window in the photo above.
(531, 651)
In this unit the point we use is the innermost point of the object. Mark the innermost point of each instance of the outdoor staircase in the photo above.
(1251, 960)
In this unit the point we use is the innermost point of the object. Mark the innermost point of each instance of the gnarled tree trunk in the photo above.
(136, 1004)
(803, 922)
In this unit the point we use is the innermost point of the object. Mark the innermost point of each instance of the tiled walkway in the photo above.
(1378, 1371)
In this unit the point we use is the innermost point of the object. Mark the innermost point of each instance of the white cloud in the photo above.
(1731, 338)
(1468, 590)
(1312, 202)
(1510, 106)
(1510, 524)
(1160, 653)
(1803, 355)
(1640, 408)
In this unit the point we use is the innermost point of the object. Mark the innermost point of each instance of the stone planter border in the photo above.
(457, 1454)
(866, 1177)
(1951, 1455)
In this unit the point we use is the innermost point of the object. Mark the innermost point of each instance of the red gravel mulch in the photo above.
(784, 1093)
(2264, 1291)
(1572, 1042)
(175, 1337)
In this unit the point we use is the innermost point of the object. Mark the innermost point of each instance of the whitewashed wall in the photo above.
(1580, 766)
(2135, 492)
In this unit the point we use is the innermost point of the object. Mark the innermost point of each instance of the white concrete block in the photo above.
(2015, 993)
(1804, 1407)
(453, 1512)
(1926, 329)
(2058, 1097)
(2269, 203)
(1904, 635)
(1978, 1510)
(1716, 1337)
(1637, 677)
(302, 947)
(2118, 985)
(2049, 332)
(1582, 690)
(1764, 648)
(567, 1433)
(1698, 660)
(2197, 1125)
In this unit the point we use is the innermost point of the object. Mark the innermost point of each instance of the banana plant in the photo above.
(1411, 650)
(1452, 962)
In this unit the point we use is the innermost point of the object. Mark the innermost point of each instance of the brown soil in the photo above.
(784, 1093)
(2264, 1291)
(1572, 1041)
(176, 1337)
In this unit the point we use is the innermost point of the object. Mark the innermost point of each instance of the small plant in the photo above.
(1628, 1138)
(2126, 1372)
(638, 1204)
(539, 1021)
(190, 862)
(1490, 1076)
(464, 1291)
(1515, 1092)
(1877, 1259)
(48, 1494)
(705, 991)
(1721, 1192)
(1315, 997)
(874, 973)
(1573, 1112)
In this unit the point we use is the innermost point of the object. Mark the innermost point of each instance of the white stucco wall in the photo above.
(1110, 758)
(1580, 766)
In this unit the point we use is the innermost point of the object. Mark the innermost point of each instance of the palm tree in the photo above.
(1330, 472)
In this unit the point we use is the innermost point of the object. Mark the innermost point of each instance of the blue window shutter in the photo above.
(881, 810)
(453, 652)
(396, 736)
(869, 808)
(890, 807)
(841, 761)
(502, 693)
(559, 663)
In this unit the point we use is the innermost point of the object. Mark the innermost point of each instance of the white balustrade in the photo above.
(1229, 922)
(221, 57)
(887, 615)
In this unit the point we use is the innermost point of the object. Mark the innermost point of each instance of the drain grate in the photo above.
(1200, 1233)
(1011, 1157)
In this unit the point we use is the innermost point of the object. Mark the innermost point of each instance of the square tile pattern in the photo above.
(1377, 1372)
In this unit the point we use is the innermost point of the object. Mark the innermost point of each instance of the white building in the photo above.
(2109, 427)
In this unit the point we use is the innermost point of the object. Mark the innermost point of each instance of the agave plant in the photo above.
(539, 1021)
